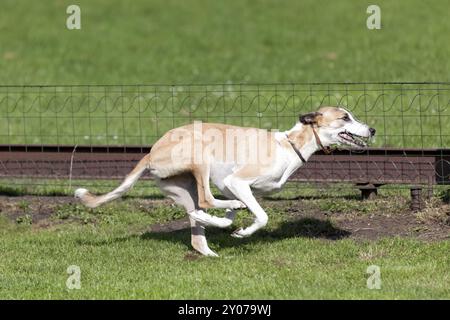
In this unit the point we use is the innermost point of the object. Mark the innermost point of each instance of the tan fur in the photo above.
(92, 201)
(88, 200)
(183, 174)
(300, 138)
(164, 165)
(329, 114)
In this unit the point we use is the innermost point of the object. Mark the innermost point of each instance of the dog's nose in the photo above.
(372, 131)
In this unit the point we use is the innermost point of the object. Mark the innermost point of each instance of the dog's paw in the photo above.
(236, 204)
(239, 233)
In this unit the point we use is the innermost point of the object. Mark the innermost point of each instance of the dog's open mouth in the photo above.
(353, 139)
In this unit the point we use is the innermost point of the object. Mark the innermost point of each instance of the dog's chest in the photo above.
(268, 182)
(219, 171)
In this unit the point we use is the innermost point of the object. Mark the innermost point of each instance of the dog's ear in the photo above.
(310, 118)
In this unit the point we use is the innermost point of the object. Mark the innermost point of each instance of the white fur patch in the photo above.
(79, 193)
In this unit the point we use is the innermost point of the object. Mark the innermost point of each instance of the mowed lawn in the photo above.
(201, 41)
(120, 257)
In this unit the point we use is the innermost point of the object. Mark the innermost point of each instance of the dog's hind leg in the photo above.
(205, 196)
(198, 239)
(182, 189)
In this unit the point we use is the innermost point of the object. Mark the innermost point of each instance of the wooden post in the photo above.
(416, 198)
(368, 191)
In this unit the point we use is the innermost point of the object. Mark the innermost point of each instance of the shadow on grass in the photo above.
(313, 197)
(304, 227)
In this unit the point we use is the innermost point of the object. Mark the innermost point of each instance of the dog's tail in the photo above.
(92, 201)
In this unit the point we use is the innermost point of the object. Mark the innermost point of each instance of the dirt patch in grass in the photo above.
(31, 209)
(171, 226)
(310, 218)
(373, 227)
(383, 219)
(192, 256)
(44, 211)
(432, 223)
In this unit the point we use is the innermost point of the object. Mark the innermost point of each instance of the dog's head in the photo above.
(336, 125)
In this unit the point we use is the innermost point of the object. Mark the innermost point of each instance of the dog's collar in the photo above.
(326, 150)
(299, 154)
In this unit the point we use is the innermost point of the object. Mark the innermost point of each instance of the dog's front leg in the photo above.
(241, 189)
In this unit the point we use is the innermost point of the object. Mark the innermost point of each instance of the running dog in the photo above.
(241, 162)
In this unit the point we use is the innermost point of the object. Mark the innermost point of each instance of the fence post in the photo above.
(416, 198)
(368, 191)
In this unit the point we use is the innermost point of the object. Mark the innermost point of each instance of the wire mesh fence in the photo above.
(412, 122)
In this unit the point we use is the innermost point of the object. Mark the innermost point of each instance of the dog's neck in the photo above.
(303, 139)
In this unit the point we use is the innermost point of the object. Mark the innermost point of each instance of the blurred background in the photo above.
(237, 41)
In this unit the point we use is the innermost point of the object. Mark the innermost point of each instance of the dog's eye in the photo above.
(346, 118)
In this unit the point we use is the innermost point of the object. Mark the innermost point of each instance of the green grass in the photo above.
(404, 115)
(148, 189)
(118, 259)
(162, 41)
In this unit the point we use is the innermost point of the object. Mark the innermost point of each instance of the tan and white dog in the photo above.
(241, 162)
